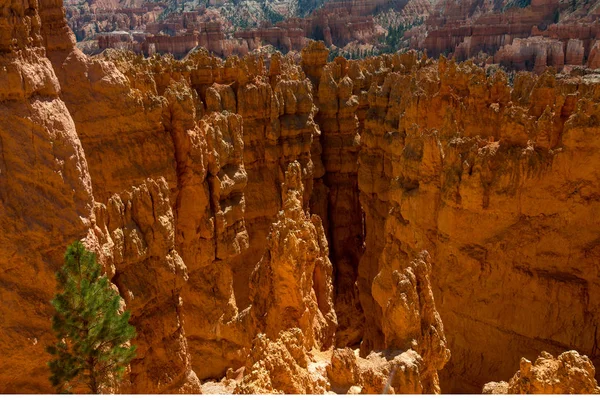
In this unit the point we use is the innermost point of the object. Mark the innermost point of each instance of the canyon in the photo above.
(514, 34)
(285, 224)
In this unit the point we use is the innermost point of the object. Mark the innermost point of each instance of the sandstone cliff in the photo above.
(42, 168)
(469, 168)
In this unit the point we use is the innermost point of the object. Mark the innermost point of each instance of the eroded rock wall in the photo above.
(42, 168)
(291, 286)
(476, 172)
(335, 198)
(195, 124)
(139, 239)
(166, 125)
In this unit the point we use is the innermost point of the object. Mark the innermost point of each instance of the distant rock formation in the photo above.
(517, 34)
(532, 37)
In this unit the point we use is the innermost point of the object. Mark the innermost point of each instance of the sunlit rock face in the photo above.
(569, 373)
(470, 169)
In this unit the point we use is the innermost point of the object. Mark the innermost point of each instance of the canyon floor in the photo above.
(290, 224)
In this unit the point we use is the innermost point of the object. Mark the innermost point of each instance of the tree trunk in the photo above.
(93, 379)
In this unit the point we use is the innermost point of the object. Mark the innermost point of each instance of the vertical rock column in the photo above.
(279, 128)
(150, 274)
(291, 294)
(291, 286)
(210, 225)
(46, 197)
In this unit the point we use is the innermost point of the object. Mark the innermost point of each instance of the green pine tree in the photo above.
(92, 348)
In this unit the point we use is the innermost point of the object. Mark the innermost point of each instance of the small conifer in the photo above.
(92, 348)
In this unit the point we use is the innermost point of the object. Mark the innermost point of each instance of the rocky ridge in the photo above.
(222, 195)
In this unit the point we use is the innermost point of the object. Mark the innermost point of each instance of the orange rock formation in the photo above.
(569, 373)
(309, 225)
(458, 163)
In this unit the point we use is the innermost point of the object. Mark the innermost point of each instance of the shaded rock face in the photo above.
(339, 201)
(298, 221)
(569, 373)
